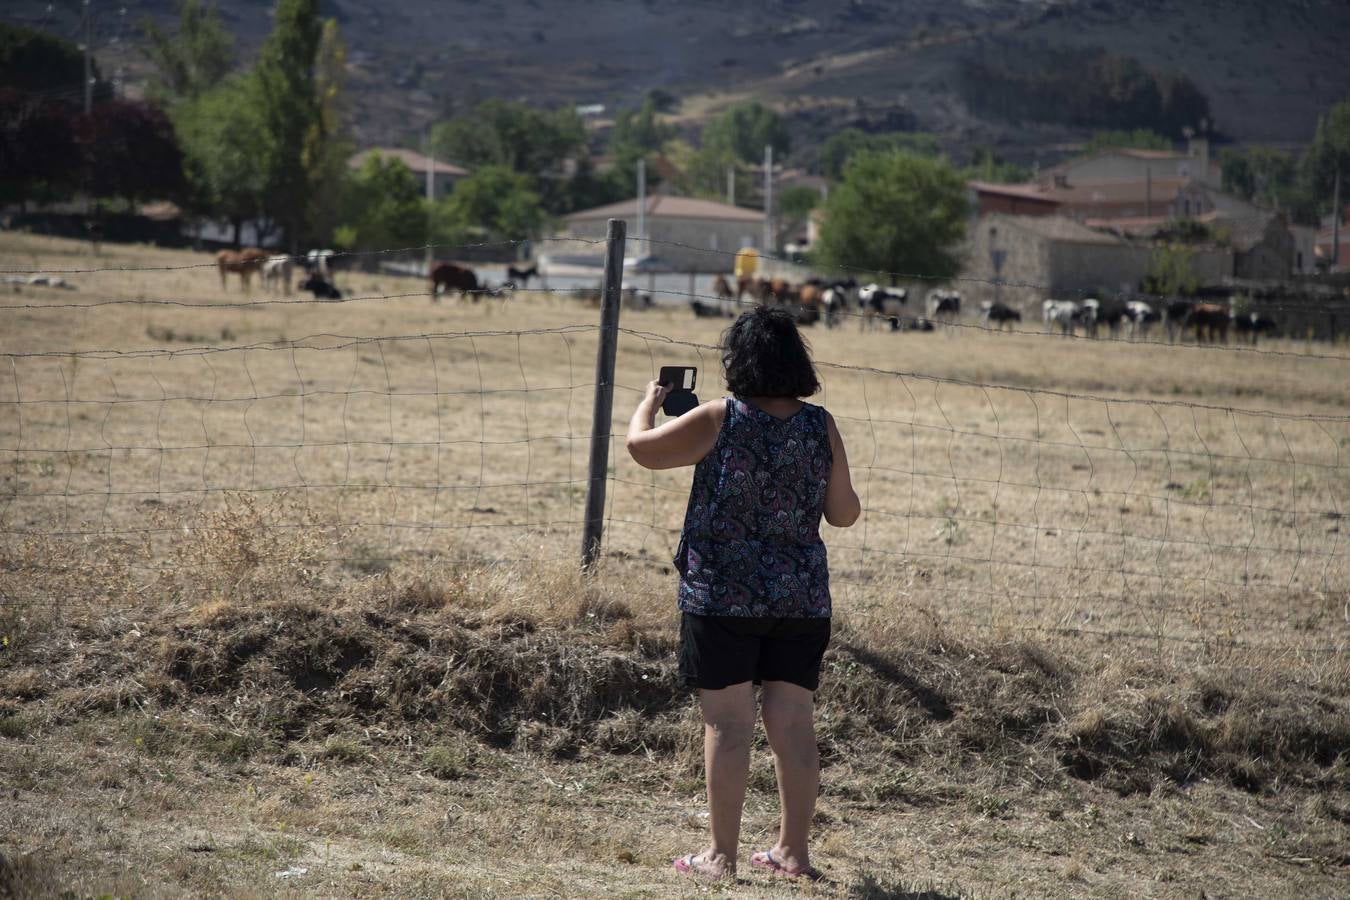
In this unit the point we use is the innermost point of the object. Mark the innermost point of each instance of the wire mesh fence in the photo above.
(993, 500)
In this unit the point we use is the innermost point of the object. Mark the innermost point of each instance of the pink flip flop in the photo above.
(685, 866)
(765, 860)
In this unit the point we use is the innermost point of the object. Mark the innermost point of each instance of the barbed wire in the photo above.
(304, 257)
(912, 320)
(457, 443)
(919, 276)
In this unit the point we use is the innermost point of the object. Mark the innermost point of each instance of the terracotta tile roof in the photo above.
(661, 206)
(410, 158)
(1021, 191)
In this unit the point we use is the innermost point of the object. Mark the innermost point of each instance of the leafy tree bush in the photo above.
(382, 206)
(290, 112)
(744, 130)
(494, 203)
(834, 155)
(129, 151)
(795, 203)
(518, 137)
(1328, 155)
(986, 165)
(33, 61)
(1136, 139)
(1172, 270)
(220, 132)
(193, 60)
(39, 159)
(1089, 88)
(896, 212)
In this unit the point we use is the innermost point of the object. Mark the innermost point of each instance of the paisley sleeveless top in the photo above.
(751, 541)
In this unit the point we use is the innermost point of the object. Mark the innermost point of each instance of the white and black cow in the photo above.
(999, 314)
(1062, 314)
(1140, 315)
(943, 305)
(882, 303)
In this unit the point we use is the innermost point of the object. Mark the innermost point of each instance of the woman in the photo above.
(754, 586)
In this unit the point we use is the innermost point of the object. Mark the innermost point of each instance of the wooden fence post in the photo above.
(602, 415)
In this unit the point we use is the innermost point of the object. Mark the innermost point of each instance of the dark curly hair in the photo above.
(764, 355)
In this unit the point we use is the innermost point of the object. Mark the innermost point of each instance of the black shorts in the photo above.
(719, 651)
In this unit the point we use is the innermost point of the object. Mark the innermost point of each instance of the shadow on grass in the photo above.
(869, 887)
(934, 705)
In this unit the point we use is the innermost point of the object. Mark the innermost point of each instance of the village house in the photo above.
(444, 174)
(1055, 257)
(700, 226)
(1130, 164)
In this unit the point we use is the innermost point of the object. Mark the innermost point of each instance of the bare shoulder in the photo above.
(714, 411)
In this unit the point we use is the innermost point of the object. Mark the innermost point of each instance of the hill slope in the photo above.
(1268, 73)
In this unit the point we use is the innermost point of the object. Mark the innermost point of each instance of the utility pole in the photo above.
(431, 192)
(641, 206)
(768, 198)
(1336, 222)
(88, 60)
(731, 185)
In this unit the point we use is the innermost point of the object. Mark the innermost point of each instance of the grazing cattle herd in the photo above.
(816, 299)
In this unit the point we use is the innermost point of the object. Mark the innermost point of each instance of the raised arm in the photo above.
(679, 442)
(842, 506)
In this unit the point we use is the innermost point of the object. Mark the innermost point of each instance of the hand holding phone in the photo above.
(681, 380)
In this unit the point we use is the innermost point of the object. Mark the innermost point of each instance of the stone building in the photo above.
(1129, 164)
(1055, 257)
(685, 234)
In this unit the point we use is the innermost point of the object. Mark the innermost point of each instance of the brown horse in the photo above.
(243, 262)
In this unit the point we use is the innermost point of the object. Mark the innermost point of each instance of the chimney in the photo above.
(1198, 149)
(1061, 180)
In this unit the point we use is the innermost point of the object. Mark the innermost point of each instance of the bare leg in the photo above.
(728, 726)
(787, 711)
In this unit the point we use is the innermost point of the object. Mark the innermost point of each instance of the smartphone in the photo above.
(681, 398)
(680, 378)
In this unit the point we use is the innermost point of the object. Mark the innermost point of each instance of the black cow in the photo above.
(1000, 314)
(1210, 320)
(521, 277)
(321, 288)
(1252, 325)
(451, 277)
(1175, 316)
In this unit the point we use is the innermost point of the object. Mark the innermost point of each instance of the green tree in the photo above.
(192, 60)
(896, 212)
(1328, 155)
(1268, 177)
(840, 147)
(382, 207)
(291, 115)
(511, 134)
(986, 165)
(744, 130)
(331, 145)
(39, 159)
(494, 203)
(37, 62)
(1136, 139)
(637, 134)
(516, 136)
(795, 203)
(1172, 270)
(221, 132)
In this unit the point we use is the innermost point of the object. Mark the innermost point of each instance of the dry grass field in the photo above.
(291, 585)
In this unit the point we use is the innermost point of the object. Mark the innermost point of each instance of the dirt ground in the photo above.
(1151, 520)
